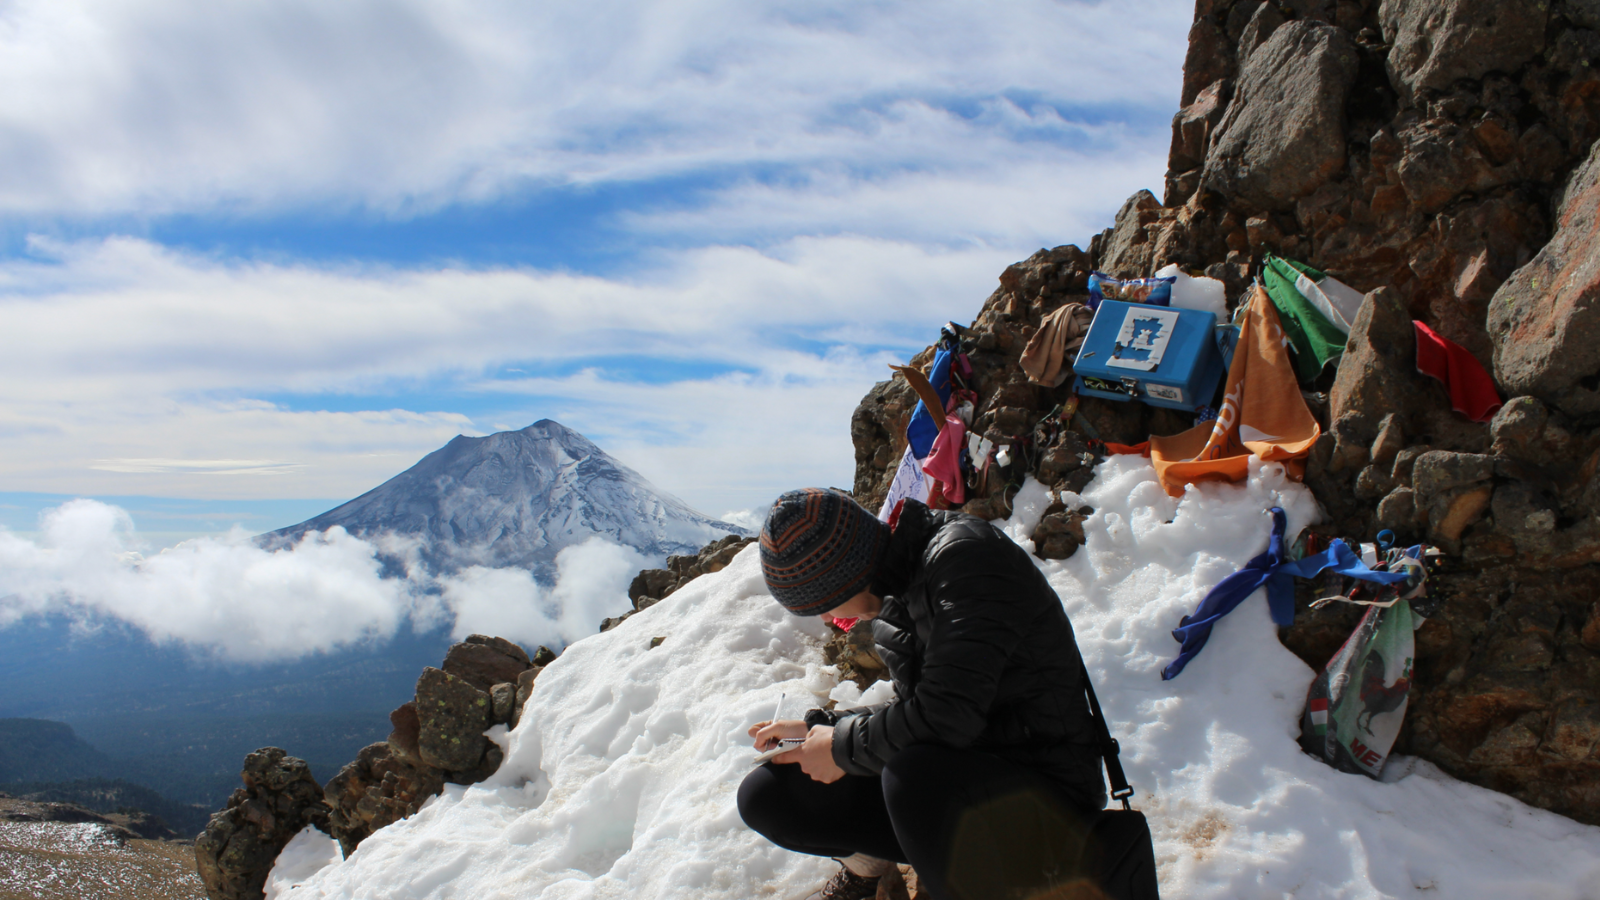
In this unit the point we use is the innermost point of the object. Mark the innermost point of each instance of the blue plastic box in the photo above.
(1160, 355)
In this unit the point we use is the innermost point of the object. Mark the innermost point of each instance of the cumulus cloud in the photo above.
(228, 597)
(806, 192)
(591, 584)
(129, 368)
(149, 107)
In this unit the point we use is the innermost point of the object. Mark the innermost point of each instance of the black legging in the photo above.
(973, 825)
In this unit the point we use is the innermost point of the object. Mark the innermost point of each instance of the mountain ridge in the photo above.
(518, 498)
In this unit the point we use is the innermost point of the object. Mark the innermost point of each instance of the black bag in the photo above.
(1119, 853)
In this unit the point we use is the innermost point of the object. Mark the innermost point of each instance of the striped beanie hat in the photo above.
(819, 548)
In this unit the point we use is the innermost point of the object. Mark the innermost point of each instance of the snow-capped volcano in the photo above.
(517, 498)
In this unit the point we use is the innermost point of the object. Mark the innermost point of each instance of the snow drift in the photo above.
(619, 780)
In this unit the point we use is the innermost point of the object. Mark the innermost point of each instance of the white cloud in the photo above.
(875, 166)
(150, 107)
(228, 597)
(129, 368)
(751, 520)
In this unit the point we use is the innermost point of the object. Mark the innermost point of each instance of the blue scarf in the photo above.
(1278, 576)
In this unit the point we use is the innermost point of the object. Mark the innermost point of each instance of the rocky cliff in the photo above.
(1440, 154)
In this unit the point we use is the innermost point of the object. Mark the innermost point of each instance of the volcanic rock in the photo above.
(379, 788)
(484, 662)
(452, 715)
(1545, 320)
(1283, 134)
(278, 800)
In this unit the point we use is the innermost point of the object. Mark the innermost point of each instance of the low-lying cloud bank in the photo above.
(229, 598)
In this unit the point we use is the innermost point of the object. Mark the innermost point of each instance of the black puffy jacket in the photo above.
(981, 654)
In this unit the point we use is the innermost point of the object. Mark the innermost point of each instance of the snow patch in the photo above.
(620, 779)
(306, 854)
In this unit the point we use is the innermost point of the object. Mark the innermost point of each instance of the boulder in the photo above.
(1209, 58)
(484, 662)
(1518, 427)
(452, 715)
(242, 841)
(1126, 253)
(1192, 127)
(1283, 134)
(406, 730)
(1389, 442)
(1436, 43)
(1438, 471)
(1451, 512)
(1545, 320)
(1058, 535)
(650, 583)
(1262, 24)
(1585, 13)
(1398, 510)
(380, 787)
(1376, 379)
(502, 701)
(524, 691)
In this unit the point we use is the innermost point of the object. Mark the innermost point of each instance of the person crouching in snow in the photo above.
(984, 769)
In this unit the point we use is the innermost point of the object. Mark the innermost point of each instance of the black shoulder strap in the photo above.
(1110, 750)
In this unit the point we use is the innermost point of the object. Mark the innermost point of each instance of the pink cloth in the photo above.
(944, 460)
(1472, 391)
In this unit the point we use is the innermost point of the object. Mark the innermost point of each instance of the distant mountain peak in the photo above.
(517, 498)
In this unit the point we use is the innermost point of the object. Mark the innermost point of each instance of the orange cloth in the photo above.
(1262, 413)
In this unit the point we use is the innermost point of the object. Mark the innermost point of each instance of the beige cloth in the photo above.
(930, 397)
(1060, 333)
(1262, 413)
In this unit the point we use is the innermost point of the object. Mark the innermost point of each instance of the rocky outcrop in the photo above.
(1435, 45)
(278, 800)
(1504, 686)
(385, 783)
(437, 738)
(651, 586)
(1283, 134)
(1545, 320)
(1441, 155)
(1438, 145)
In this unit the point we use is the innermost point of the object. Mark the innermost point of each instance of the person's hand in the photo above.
(767, 734)
(815, 756)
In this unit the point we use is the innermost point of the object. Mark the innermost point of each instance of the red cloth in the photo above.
(1472, 391)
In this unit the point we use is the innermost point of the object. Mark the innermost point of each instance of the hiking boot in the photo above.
(847, 885)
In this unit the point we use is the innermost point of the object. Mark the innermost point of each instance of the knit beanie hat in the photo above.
(819, 548)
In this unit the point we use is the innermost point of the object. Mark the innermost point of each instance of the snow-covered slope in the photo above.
(517, 498)
(619, 781)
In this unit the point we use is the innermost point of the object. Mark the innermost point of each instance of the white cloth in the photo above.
(909, 482)
(1337, 301)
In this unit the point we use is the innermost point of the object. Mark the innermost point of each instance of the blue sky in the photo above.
(262, 255)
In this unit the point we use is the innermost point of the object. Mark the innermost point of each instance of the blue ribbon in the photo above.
(1278, 577)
